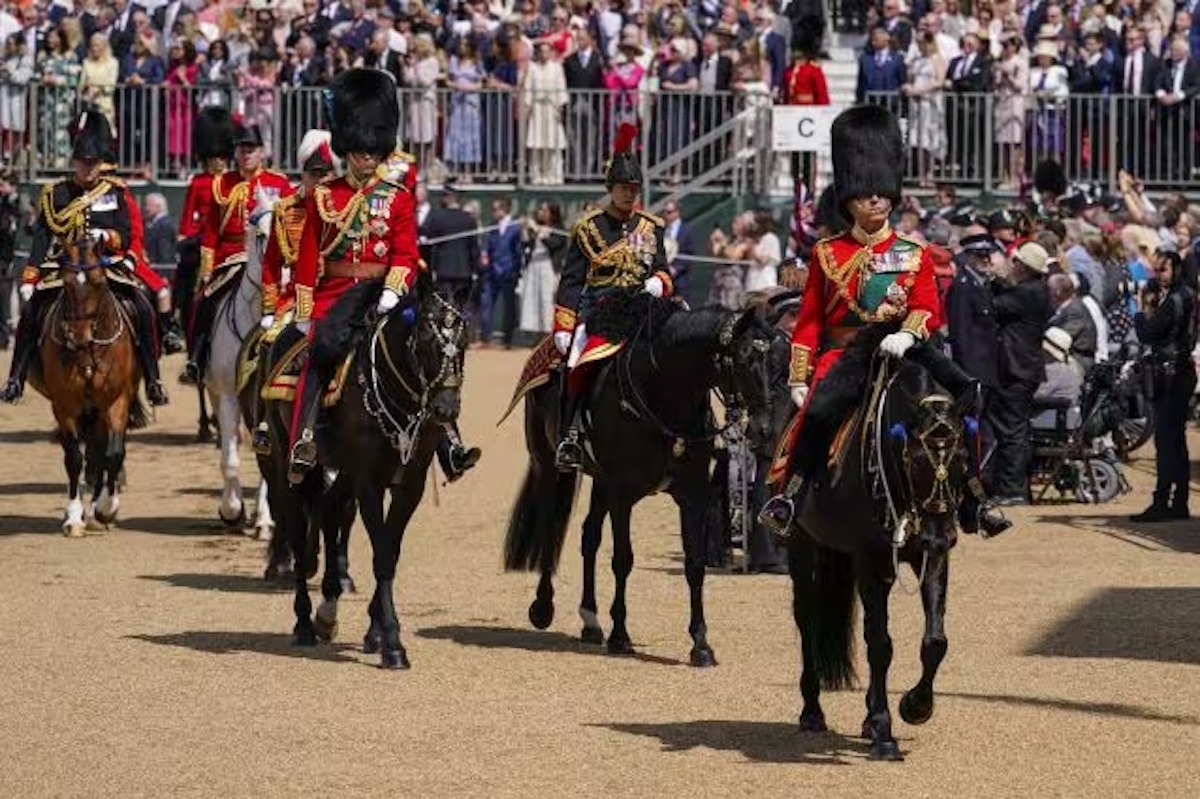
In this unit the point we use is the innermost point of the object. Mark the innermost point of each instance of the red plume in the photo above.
(626, 136)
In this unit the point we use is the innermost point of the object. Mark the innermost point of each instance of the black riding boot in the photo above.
(172, 338)
(193, 370)
(809, 463)
(23, 351)
(148, 355)
(304, 450)
(568, 457)
(455, 458)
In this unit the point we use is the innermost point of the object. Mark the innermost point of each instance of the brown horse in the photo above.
(89, 371)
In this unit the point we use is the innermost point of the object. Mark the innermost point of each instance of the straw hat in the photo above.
(1046, 47)
(1057, 344)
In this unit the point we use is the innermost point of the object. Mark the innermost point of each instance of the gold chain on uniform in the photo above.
(289, 252)
(69, 222)
(341, 220)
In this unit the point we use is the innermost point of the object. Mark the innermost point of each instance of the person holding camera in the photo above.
(1167, 325)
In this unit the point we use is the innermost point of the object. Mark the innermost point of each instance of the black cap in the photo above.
(1001, 220)
(247, 136)
(979, 244)
(784, 300)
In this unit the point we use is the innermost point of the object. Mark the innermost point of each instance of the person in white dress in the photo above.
(927, 107)
(544, 103)
(545, 247)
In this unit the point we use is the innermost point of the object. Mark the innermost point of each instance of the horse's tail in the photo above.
(537, 527)
(824, 609)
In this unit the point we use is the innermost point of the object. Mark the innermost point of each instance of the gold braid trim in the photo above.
(397, 279)
(31, 273)
(206, 263)
(69, 223)
(355, 210)
(289, 249)
(916, 323)
(304, 303)
(840, 274)
(270, 297)
(799, 368)
(235, 201)
(564, 318)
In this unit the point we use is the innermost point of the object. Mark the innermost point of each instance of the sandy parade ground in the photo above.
(152, 660)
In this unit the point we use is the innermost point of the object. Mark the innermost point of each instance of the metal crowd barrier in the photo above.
(521, 137)
(995, 141)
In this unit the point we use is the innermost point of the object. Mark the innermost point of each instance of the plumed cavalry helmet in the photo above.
(363, 113)
(624, 166)
(212, 134)
(91, 136)
(868, 155)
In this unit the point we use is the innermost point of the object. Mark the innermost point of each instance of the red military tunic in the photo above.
(283, 249)
(234, 197)
(354, 233)
(197, 203)
(805, 85)
(137, 248)
(856, 279)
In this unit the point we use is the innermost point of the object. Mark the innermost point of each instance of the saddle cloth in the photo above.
(544, 359)
(285, 374)
(52, 277)
(223, 277)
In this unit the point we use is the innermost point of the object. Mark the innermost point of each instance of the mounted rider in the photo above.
(614, 252)
(239, 199)
(317, 163)
(359, 227)
(212, 145)
(868, 275)
(91, 206)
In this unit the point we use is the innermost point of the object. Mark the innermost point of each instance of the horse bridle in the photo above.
(726, 389)
(939, 441)
(68, 315)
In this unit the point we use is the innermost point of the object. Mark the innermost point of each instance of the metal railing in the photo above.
(994, 142)
(507, 137)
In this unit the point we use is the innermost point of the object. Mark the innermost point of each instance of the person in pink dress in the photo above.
(182, 73)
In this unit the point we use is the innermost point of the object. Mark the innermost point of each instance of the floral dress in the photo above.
(57, 97)
(463, 136)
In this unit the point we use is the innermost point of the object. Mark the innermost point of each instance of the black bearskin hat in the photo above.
(624, 166)
(806, 35)
(1049, 178)
(828, 215)
(363, 113)
(212, 134)
(868, 155)
(91, 136)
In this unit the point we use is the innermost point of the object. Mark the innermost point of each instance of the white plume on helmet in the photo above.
(311, 143)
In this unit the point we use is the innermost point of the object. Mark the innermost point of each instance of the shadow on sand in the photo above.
(1155, 624)
(230, 643)
(759, 741)
(37, 525)
(27, 437)
(163, 438)
(528, 640)
(173, 525)
(1181, 536)
(228, 583)
(1076, 706)
(19, 489)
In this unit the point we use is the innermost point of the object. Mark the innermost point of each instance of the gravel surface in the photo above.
(152, 660)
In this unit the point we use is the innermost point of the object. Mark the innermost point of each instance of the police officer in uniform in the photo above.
(614, 252)
(1167, 325)
(92, 205)
(359, 227)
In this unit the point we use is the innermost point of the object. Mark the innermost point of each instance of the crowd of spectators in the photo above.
(1040, 74)
(473, 71)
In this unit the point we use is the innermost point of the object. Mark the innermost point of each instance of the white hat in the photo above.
(314, 142)
(1057, 344)
(1034, 256)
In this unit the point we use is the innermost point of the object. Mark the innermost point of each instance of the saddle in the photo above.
(280, 383)
(224, 280)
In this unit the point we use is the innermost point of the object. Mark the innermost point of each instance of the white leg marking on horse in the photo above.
(264, 523)
(73, 524)
(231, 507)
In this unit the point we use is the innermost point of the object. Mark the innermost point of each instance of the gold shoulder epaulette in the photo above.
(658, 220)
(583, 220)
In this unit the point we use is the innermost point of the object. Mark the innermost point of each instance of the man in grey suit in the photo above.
(1072, 315)
(160, 233)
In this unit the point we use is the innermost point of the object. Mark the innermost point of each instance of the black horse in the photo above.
(651, 430)
(892, 500)
(404, 387)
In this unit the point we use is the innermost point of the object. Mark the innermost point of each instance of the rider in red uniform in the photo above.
(237, 197)
(865, 276)
(358, 227)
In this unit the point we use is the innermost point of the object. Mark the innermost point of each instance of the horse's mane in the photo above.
(701, 325)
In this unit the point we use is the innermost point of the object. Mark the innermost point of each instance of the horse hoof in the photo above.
(105, 519)
(620, 646)
(886, 750)
(264, 532)
(204, 436)
(278, 573)
(348, 586)
(813, 721)
(304, 637)
(541, 614)
(236, 522)
(868, 731)
(325, 631)
(913, 710)
(371, 642)
(74, 529)
(703, 658)
(592, 635)
(394, 659)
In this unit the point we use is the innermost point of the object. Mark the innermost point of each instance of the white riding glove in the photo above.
(26, 292)
(654, 286)
(303, 326)
(388, 300)
(896, 344)
(562, 341)
(267, 322)
(99, 235)
(799, 394)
